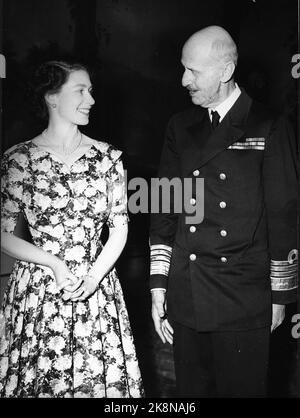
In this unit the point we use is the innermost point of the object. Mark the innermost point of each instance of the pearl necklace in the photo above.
(65, 151)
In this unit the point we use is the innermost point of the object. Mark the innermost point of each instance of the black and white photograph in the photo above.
(149, 201)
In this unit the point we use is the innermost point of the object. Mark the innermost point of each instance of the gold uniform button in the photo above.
(192, 201)
(222, 176)
(193, 257)
(224, 259)
(222, 205)
(192, 228)
(223, 233)
(196, 173)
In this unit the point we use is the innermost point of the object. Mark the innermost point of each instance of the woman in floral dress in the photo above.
(65, 330)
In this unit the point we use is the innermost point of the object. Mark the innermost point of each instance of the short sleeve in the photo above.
(117, 196)
(12, 174)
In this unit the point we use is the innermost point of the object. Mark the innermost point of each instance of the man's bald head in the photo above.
(209, 58)
(213, 42)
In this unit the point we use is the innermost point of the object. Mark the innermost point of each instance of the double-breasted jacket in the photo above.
(224, 272)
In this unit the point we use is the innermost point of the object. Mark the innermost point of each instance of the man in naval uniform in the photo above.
(220, 287)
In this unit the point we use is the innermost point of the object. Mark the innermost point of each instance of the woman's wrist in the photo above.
(54, 262)
(94, 276)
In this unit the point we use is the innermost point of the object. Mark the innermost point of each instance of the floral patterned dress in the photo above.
(49, 347)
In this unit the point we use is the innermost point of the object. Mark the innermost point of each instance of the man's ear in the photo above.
(228, 71)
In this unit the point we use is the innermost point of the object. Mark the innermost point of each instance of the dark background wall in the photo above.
(134, 46)
(135, 49)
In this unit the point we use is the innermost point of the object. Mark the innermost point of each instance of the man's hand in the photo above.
(278, 314)
(159, 316)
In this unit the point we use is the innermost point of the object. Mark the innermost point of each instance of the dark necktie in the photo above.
(215, 117)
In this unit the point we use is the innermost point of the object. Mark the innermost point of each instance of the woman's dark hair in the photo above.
(49, 79)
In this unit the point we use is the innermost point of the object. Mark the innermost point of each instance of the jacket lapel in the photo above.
(205, 143)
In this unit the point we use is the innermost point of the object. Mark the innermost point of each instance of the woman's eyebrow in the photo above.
(80, 85)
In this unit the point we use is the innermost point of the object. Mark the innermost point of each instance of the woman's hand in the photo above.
(87, 288)
(65, 280)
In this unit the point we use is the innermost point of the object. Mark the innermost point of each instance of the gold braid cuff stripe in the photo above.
(160, 258)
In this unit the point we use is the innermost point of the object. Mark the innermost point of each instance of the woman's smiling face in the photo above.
(74, 100)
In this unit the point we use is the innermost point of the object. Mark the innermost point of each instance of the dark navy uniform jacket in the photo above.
(219, 273)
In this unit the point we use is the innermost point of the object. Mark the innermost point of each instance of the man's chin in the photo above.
(197, 101)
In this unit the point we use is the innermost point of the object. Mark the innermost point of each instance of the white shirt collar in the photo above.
(225, 106)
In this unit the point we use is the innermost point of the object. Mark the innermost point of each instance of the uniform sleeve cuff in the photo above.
(284, 298)
(284, 273)
(158, 281)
